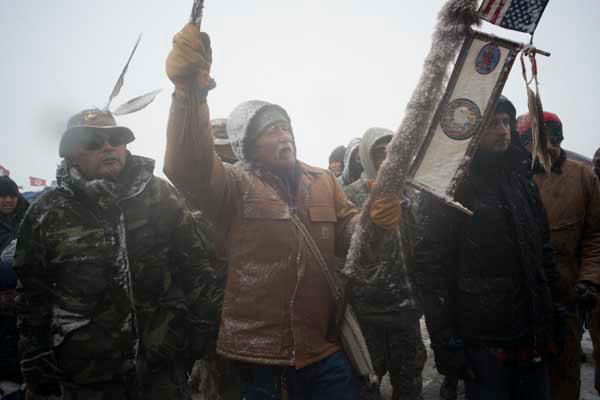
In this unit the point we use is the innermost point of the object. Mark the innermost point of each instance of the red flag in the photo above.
(36, 181)
(4, 171)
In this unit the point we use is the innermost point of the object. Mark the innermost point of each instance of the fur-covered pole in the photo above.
(454, 22)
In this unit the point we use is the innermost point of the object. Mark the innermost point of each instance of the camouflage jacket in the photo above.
(383, 292)
(114, 275)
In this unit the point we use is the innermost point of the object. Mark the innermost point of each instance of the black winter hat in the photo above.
(8, 187)
(337, 154)
(505, 105)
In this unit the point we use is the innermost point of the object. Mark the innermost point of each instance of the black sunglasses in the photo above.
(96, 141)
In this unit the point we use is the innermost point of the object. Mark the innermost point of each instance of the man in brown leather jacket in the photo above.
(279, 313)
(571, 195)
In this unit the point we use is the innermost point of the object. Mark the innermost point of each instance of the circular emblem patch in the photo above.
(461, 119)
(487, 59)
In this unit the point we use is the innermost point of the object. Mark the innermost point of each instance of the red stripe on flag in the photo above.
(497, 12)
(36, 181)
(488, 7)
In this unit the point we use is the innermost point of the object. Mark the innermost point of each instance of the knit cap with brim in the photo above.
(248, 120)
(87, 121)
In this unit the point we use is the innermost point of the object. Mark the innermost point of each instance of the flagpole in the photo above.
(527, 48)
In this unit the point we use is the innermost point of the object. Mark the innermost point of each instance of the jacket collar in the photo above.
(136, 175)
(556, 165)
(293, 189)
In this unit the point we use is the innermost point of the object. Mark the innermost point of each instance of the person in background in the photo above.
(222, 142)
(352, 166)
(571, 195)
(384, 294)
(336, 161)
(12, 210)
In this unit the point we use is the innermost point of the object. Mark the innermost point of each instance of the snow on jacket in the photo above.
(105, 268)
(383, 292)
(490, 278)
(571, 194)
(278, 308)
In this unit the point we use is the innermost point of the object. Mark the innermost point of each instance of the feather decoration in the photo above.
(454, 23)
(137, 103)
(121, 80)
(539, 146)
(541, 149)
(196, 15)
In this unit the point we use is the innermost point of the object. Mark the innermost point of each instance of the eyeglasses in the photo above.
(96, 141)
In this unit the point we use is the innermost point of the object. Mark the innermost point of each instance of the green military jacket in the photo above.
(383, 293)
(114, 275)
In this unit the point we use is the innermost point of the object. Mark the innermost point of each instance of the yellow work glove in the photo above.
(386, 211)
(189, 61)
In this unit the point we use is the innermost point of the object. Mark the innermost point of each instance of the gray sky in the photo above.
(337, 66)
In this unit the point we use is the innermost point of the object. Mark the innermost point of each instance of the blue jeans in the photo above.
(506, 379)
(328, 379)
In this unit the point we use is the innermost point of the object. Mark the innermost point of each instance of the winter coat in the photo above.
(278, 307)
(491, 278)
(383, 292)
(105, 268)
(9, 335)
(352, 170)
(10, 223)
(571, 194)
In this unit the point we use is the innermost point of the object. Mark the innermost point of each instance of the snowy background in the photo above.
(337, 66)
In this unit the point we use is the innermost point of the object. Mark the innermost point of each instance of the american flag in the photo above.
(518, 15)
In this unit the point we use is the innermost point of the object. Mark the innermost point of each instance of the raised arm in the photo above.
(190, 160)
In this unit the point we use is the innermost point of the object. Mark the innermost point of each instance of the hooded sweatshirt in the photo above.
(383, 294)
(352, 169)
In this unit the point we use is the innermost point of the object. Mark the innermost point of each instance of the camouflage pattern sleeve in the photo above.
(201, 277)
(34, 286)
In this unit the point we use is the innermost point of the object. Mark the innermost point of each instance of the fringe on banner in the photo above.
(539, 150)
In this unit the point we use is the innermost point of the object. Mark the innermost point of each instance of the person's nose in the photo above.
(502, 130)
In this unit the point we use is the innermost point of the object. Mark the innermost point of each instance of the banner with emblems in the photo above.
(477, 80)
